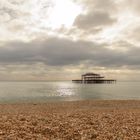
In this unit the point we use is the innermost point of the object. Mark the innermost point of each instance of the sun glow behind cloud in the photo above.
(63, 13)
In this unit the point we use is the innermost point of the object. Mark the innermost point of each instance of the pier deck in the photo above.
(94, 81)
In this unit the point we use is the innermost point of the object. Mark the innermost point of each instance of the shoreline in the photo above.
(40, 101)
(89, 119)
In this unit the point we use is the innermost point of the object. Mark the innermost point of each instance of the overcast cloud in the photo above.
(42, 37)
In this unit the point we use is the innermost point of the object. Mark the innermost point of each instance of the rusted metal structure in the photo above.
(93, 78)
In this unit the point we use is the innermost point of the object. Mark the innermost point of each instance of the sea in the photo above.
(34, 92)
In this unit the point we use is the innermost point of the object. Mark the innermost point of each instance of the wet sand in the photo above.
(81, 120)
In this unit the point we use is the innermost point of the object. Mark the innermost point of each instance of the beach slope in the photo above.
(85, 120)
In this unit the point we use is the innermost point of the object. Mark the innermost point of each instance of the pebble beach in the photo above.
(76, 120)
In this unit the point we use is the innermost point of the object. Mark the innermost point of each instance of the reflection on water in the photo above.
(65, 89)
(57, 91)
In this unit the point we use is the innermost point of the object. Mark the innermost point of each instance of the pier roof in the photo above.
(91, 74)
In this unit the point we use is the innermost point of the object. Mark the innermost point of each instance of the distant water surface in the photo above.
(66, 91)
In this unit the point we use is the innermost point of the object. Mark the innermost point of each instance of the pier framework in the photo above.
(93, 78)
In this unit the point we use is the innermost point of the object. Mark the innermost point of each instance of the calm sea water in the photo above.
(66, 91)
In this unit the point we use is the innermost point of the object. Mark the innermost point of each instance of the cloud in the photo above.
(105, 35)
(52, 51)
(64, 52)
(97, 15)
(134, 35)
(98, 4)
(13, 9)
(132, 5)
(19, 20)
(97, 19)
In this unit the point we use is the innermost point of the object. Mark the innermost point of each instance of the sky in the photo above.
(62, 39)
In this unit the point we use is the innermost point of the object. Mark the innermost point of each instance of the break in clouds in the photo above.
(45, 38)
